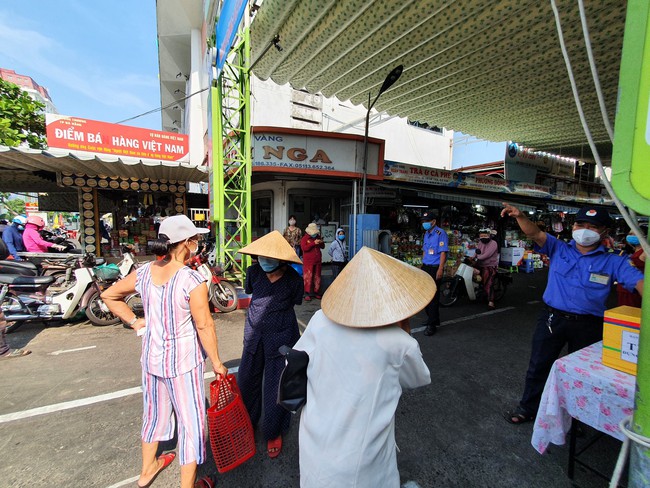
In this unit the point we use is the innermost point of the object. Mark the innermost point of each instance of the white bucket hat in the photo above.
(375, 289)
(179, 227)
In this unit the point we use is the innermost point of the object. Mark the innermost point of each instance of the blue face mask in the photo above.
(426, 225)
(341, 237)
(632, 240)
(313, 235)
(268, 264)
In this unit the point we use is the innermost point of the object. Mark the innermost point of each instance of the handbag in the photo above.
(231, 432)
(292, 390)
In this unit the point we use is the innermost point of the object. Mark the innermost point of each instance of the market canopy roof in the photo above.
(490, 68)
(21, 168)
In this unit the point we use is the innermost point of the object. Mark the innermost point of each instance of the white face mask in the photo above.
(292, 222)
(196, 249)
(586, 237)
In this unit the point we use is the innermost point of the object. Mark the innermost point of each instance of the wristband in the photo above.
(132, 321)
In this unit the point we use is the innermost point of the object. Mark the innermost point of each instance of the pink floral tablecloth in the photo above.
(580, 386)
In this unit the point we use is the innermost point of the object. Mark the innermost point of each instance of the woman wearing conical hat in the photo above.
(271, 322)
(360, 359)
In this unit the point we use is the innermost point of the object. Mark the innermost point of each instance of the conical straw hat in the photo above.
(375, 289)
(272, 245)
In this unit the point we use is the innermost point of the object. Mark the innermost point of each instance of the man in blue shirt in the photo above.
(434, 255)
(13, 237)
(580, 279)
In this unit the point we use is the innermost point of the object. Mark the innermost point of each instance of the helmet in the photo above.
(36, 220)
(19, 219)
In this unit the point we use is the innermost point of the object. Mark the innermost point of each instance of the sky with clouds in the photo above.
(98, 60)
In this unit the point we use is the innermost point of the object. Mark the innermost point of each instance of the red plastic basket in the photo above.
(231, 431)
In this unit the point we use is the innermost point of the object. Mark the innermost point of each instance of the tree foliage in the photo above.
(11, 206)
(21, 118)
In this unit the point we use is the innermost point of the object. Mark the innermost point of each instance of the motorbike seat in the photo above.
(18, 280)
(24, 268)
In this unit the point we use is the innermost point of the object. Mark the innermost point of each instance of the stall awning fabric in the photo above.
(491, 68)
(22, 159)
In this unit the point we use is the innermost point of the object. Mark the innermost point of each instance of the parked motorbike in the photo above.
(464, 282)
(61, 236)
(96, 310)
(32, 298)
(222, 293)
(41, 264)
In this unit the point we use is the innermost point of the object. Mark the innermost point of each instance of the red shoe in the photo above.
(205, 482)
(308, 298)
(274, 446)
(318, 297)
(167, 459)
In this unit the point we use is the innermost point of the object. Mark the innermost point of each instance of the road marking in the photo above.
(56, 353)
(408, 484)
(82, 402)
(467, 317)
(125, 482)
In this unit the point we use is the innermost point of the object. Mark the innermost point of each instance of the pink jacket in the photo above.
(33, 240)
(489, 254)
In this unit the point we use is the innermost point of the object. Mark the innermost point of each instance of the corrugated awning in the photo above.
(491, 68)
(92, 164)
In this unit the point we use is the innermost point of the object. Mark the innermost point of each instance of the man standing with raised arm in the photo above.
(580, 278)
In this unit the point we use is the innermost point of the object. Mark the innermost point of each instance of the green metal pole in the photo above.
(640, 455)
(218, 212)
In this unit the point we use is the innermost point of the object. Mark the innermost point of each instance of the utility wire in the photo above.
(159, 109)
(594, 72)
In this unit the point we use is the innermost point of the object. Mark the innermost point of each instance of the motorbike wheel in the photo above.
(98, 314)
(135, 304)
(11, 302)
(224, 296)
(499, 289)
(448, 296)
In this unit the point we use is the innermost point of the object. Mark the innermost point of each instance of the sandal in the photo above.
(274, 446)
(518, 416)
(16, 353)
(166, 461)
(205, 482)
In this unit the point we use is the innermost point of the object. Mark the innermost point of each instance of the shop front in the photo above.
(314, 176)
(120, 181)
(310, 175)
(467, 203)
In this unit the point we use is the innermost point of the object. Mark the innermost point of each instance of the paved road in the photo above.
(70, 413)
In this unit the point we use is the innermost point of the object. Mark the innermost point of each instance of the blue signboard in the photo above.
(229, 19)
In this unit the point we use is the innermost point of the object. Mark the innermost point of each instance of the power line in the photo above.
(159, 109)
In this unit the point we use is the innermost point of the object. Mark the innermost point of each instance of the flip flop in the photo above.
(205, 482)
(16, 353)
(517, 416)
(167, 459)
(274, 446)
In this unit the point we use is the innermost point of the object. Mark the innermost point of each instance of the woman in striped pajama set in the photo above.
(178, 333)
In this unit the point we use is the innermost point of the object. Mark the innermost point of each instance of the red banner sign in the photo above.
(77, 134)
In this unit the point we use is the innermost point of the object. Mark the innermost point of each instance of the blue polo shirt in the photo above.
(435, 242)
(580, 283)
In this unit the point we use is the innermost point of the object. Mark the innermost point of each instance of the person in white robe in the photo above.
(360, 360)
